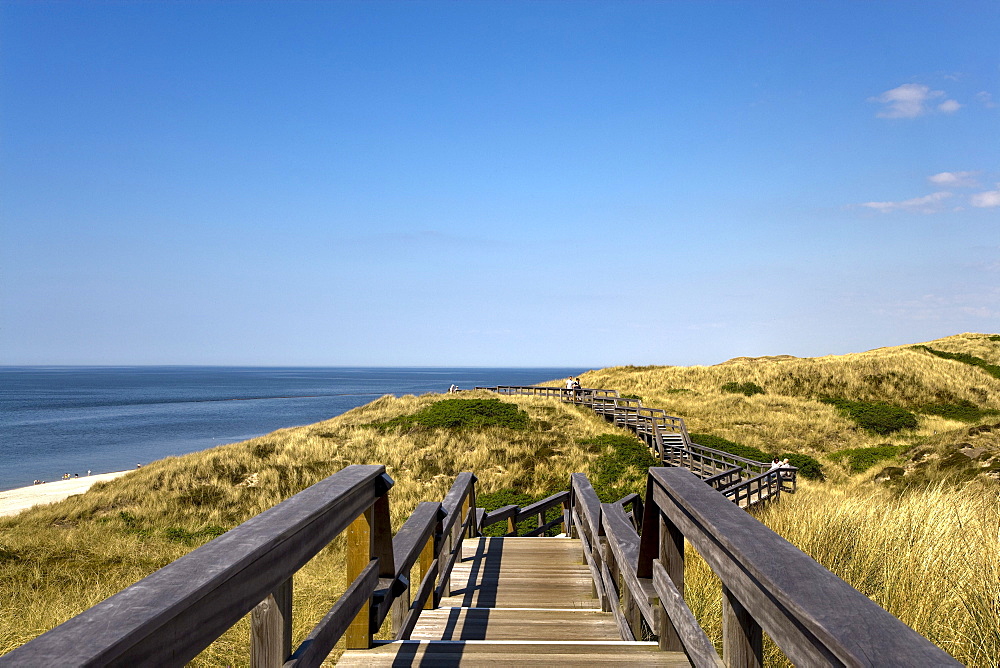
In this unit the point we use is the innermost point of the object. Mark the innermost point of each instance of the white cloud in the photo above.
(986, 99)
(986, 200)
(907, 101)
(949, 106)
(955, 179)
(926, 204)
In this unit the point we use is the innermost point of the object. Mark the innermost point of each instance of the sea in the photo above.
(75, 420)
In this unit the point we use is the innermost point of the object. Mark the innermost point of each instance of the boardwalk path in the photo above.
(517, 600)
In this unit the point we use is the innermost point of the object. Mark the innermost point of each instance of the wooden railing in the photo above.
(744, 481)
(769, 586)
(169, 617)
(634, 551)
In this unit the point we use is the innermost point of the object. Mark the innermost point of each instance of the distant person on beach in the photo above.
(569, 383)
(139, 465)
(453, 389)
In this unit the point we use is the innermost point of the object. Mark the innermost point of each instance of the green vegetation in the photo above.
(732, 447)
(621, 468)
(748, 388)
(860, 460)
(461, 414)
(965, 358)
(809, 467)
(962, 410)
(507, 497)
(877, 417)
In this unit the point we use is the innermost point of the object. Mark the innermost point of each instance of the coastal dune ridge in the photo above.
(13, 501)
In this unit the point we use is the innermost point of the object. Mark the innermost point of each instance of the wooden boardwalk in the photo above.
(517, 601)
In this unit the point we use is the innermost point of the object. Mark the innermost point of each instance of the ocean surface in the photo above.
(56, 420)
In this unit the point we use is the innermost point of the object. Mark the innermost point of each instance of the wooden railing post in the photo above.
(742, 637)
(271, 628)
(401, 608)
(359, 551)
(426, 563)
(672, 558)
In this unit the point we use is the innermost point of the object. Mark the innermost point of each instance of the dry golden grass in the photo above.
(909, 552)
(58, 560)
(931, 557)
(789, 417)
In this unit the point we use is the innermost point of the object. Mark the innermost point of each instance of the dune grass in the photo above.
(926, 552)
(789, 416)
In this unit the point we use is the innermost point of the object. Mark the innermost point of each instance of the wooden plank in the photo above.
(320, 641)
(514, 624)
(413, 535)
(588, 556)
(489, 654)
(696, 645)
(742, 637)
(452, 503)
(423, 596)
(624, 544)
(271, 628)
(359, 557)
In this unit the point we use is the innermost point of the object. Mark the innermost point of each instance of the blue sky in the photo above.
(494, 183)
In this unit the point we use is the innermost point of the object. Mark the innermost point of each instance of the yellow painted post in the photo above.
(426, 561)
(359, 553)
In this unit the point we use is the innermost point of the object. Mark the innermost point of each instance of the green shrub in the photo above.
(622, 467)
(461, 414)
(964, 411)
(808, 466)
(732, 447)
(876, 417)
(630, 396)
(748, 388)
(965, 358)
(860, 460)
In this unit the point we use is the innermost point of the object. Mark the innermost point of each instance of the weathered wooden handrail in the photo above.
(769, 586)
(175, 613)
(514, 514)
(170, 616)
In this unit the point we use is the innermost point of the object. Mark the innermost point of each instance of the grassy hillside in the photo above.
(58, 560)
(909, 512)
(789, 404)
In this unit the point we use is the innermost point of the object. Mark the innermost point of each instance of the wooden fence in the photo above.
(743, 481)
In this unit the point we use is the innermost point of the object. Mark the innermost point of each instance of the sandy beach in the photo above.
(14, 501)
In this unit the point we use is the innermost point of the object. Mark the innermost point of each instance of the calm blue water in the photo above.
(55, 420)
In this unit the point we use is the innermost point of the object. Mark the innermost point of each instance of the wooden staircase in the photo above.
(517, 601)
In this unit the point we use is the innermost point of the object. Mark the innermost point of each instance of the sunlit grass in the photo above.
(58, 560)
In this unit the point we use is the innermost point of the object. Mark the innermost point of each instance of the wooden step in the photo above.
(521, 573)
(515, 624)
(473, 654)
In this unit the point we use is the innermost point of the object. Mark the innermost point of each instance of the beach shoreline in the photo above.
(13, 501)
